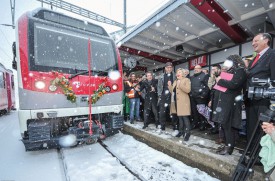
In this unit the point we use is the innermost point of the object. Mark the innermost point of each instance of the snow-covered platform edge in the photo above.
(197, 152)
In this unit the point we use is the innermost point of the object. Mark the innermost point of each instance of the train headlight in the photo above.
(114, 87)
(40, 84)
(52, 88)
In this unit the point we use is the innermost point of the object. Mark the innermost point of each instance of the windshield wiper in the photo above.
(77, 74)
(99, 73)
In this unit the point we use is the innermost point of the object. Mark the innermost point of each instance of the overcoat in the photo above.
(182, 98)
(227, 106)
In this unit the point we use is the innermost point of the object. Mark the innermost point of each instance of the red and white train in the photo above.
(69, 80)
(7, 95)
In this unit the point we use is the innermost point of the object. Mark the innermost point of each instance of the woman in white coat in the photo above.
(180, 102)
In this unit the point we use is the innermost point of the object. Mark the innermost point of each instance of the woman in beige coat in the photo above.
(180, 102)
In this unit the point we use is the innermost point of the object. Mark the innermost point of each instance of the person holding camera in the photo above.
(262, 67)
(269, 128)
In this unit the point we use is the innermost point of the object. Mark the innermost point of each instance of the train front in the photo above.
(70, 83)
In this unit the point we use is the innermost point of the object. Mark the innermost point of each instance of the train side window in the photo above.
(12, 82)
(2, 81)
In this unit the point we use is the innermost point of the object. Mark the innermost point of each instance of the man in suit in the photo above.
(262, 67)
(164, 95)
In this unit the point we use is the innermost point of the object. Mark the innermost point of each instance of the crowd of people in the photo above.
(203, 100)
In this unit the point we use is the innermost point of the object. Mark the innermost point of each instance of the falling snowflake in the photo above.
(157, 24)
(67, 141)
(218, 109)
(238, 98)
(30, 74)
(165, 105)
(245, 5)
(271, 5)
(177, 28)
(167, 92)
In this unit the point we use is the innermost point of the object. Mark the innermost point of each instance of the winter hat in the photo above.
(168, 64)
(236, 61)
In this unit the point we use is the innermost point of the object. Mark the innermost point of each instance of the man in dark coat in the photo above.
(227, 104)
(199, 95)
(151, 98)
(262, 67)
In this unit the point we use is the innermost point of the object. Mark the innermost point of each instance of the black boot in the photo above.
(202, 126)
(227, 150)
(187, 136)
(144, 127)
(214, 130)
(179, 134)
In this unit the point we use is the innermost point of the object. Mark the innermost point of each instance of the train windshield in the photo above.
(66, 51)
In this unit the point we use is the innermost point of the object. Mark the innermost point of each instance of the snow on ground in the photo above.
(89, 162)
(18, 165)
(152, 164)
(92, 162)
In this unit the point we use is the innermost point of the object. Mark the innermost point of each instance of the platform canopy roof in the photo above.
(184, 29)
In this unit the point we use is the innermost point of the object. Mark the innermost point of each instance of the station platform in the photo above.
(198, 152)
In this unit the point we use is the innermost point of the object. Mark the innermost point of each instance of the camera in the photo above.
(264, 88)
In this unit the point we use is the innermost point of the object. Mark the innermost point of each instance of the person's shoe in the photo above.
(179, 134)
(144, 127)
(227, 150)
(202, 127)
(194, 126)
(132, 121)
(187, 136)
(214, 130)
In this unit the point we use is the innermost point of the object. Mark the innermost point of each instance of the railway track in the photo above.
(66, 163)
